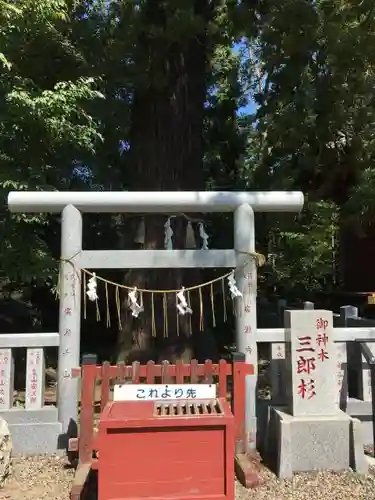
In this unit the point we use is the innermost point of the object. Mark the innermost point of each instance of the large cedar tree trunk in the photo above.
(166, 155)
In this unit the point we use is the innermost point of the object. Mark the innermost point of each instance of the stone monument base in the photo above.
(301, 444)
(34, 432)
(363, 411)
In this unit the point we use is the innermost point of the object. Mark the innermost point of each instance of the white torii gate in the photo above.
(73, 204)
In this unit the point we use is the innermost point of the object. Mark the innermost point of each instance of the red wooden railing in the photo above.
(92, 374)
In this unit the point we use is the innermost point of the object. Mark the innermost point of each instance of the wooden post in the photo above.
(238, 399)
(86, 427)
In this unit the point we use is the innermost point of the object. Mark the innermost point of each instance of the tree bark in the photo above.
(166, 151)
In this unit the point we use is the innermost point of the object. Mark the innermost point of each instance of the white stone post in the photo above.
(6, 379)
(277, 363)
(341, 374)
(246, 311)
(70, 316)
(35, 379)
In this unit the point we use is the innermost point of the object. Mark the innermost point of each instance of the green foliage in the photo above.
(315, 70)
(302, 252)
(360, 208)
(69, 71)
(44, 128)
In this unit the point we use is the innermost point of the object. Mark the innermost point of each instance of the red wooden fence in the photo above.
(91, 375)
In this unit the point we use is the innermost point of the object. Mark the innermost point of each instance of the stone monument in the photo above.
(311, 432)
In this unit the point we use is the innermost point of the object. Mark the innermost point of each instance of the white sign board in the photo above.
(153, 392)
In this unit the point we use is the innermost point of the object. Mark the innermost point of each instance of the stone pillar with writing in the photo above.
(246, 313)
(311, 432)
(35, 379)
(277, 364)
(69, 316)
(341, 375)
(6, 379)
(311, 363)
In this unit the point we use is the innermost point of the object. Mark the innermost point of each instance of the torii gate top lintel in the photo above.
(154, 201)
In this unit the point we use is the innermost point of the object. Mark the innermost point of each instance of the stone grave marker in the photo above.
(341, 373)
(6, 379)
(35, 379)
(278, 380)
(311, 363)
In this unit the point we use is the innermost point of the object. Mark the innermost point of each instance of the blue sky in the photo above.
(251, 106)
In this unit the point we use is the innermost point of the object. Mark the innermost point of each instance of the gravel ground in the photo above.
(313, 486)
(39, 478)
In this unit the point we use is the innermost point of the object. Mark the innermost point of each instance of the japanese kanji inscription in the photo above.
(148, 392)
(34, 378)
(311, 360)
(6, 379)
